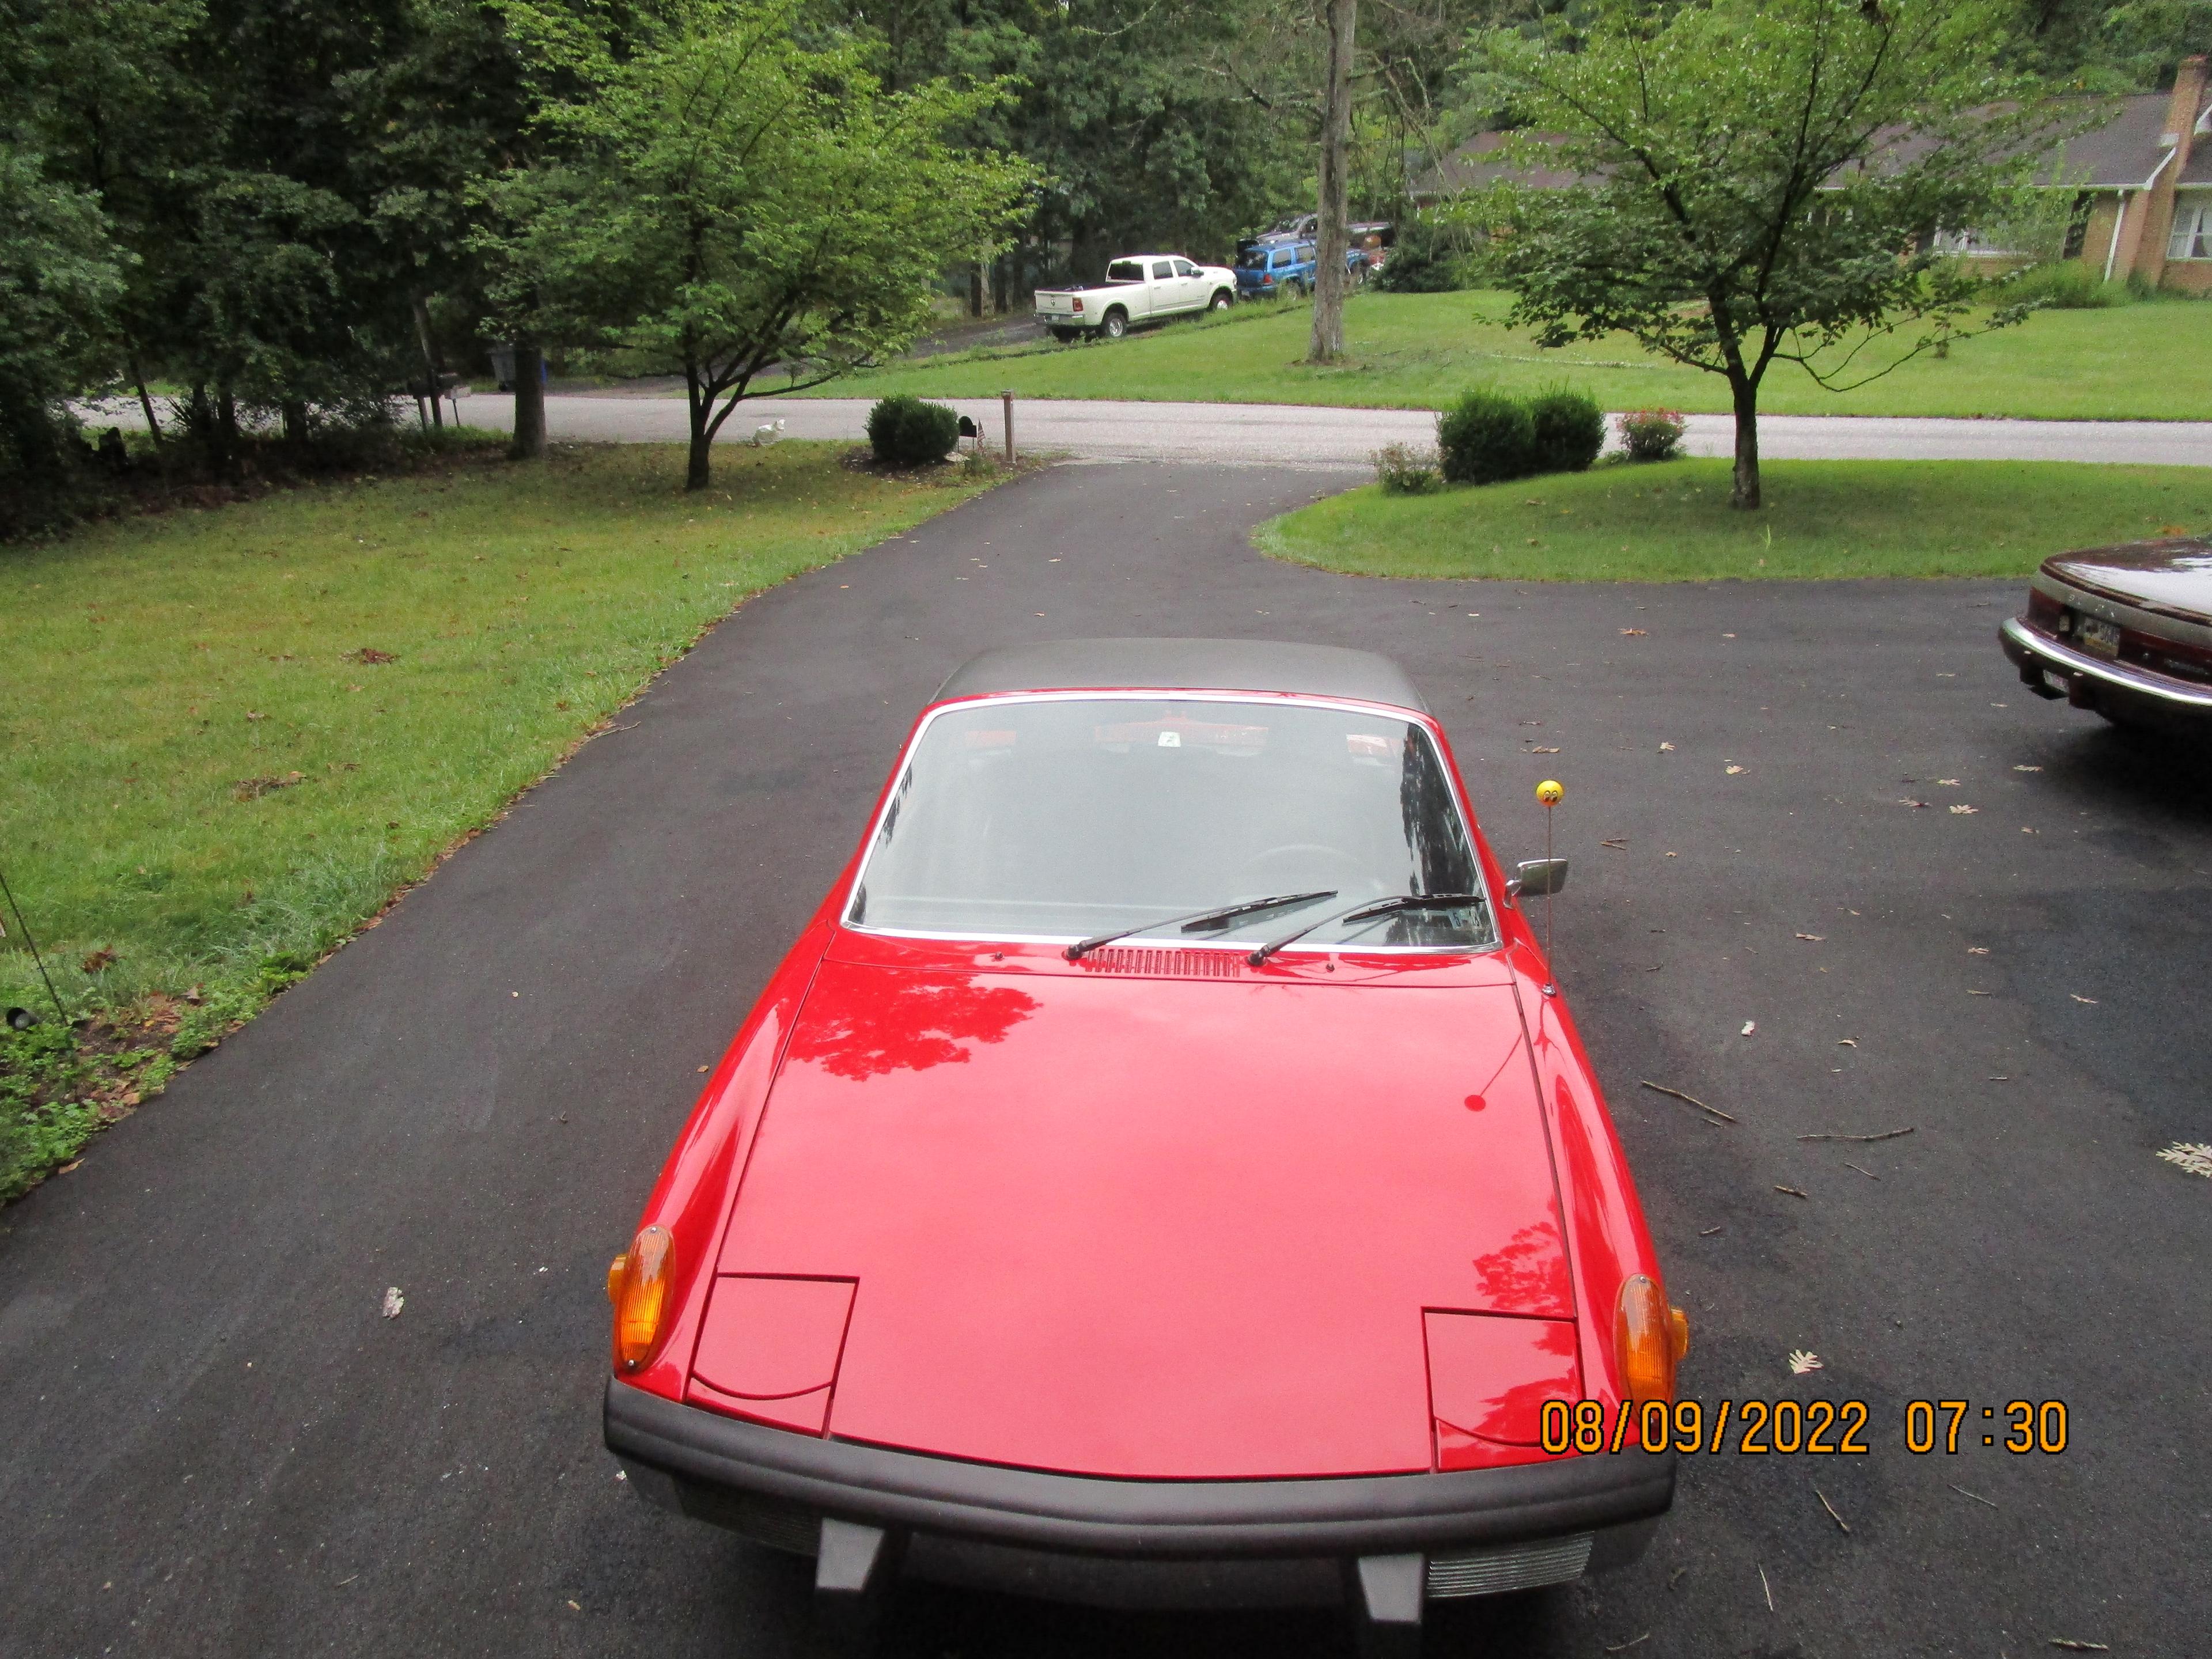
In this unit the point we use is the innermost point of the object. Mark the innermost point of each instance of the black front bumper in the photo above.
(1144, 1542)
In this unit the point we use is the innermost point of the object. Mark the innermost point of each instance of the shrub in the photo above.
(2067, 287)
(1569, 431)
(1486, 437)
(1406, 469)
(905, 431)
(1652, 434)
(1426, 259)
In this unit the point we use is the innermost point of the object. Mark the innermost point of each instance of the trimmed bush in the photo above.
(1486, 437)
(1569, 431)
(1652, 434)
(1406, 469)
(905, 431)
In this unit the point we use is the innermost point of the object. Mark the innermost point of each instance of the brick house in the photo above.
(2142, 181)
(2143, 206)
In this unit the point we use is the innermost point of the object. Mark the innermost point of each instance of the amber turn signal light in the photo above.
(1648, 1338)
(637, 1284)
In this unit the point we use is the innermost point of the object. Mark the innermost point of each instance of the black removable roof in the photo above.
(1318, 671)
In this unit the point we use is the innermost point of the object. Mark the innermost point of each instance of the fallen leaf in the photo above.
(1912, 803)
(1962, 811)
(1978, 950)
(1665, 748)
(1793, 1192)
(2027, 768)
(2192, 1156)
(370, 653)
(393, 1302)
(1801, 1361)
(1631, 633)
(67, 1167)
(2078, 1647)
(1733, 771)
(251, 715)
(1749, 1026)
(1847, 1043)
(1539, 751)
(1948, 783)
(99, 962)
(1814, 939)
(2078, 997)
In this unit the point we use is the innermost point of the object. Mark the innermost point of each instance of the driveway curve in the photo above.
(217, 1446)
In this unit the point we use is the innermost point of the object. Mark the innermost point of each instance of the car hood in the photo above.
(1151, 1227)
(2174, 576)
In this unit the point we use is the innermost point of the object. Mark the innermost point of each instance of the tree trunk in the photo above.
(295, 412)
(1331, 234)
(1744, 493)
(529, 443)
(976, 288)
(429, 355)
(145, 401)
(697, 476)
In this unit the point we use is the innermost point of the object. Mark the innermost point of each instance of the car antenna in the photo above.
(1551, 792)
(10, 894)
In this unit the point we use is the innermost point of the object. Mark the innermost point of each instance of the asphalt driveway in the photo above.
(217, 1446)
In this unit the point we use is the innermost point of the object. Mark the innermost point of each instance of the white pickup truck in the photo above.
(1140, 287)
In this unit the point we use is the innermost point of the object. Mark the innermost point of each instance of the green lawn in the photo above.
(2151, 361)
(1672, 522)
(210, 771)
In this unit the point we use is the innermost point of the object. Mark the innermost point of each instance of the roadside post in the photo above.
(1006, 402)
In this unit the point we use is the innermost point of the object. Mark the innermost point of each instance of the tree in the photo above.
(1332, 234)
(733, 199)
(1760, 182)
(60, 277)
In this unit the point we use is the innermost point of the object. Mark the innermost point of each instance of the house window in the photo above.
(2077, 225)
(2193, 232)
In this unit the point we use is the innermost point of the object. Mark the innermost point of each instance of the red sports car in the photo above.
(1162, 1173)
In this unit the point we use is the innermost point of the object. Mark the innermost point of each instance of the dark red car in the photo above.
(2125, 630)
(1162, 1173)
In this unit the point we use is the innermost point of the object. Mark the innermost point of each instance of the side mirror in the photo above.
(1536, 877)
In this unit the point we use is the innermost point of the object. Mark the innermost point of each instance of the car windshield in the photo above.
(1069, 818)
(1125, 271)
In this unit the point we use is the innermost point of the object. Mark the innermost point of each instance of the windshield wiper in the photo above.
(1197, 920)
(1362, 910)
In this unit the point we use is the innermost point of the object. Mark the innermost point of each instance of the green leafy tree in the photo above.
(1761, 180)
(60, 277)
(729, 197)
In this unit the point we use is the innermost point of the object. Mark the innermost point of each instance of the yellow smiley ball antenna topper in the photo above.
(1550, 793)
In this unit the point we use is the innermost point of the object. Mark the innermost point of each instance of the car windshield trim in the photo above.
(1153, 694)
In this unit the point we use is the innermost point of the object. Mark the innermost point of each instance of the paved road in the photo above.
(215, 1446)
(1285, 433)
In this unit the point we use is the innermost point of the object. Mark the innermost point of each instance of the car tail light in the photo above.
(637, 1284)
(1079, 305)
(1649, 1338)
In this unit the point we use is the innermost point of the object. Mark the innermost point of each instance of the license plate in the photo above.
(2097, 637)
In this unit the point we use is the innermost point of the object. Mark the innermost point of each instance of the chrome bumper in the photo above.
(2039, 653)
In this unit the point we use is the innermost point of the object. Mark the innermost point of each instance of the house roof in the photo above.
(1323, 671)
(1480, 162)
(2120, 153)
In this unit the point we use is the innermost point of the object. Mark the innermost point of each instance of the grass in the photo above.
(228, 736)
(1671, 521)
(2142, 362)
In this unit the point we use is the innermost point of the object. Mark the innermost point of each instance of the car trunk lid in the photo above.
(1151, 1227)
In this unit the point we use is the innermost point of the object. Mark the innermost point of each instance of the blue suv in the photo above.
(1272, 266)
